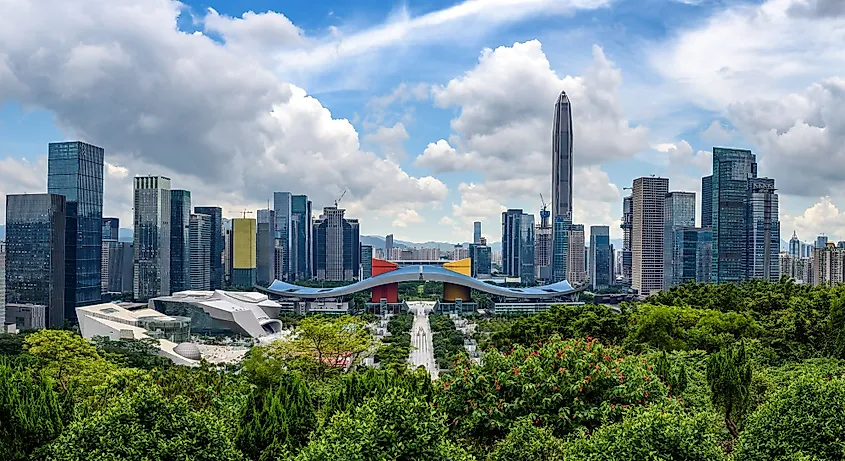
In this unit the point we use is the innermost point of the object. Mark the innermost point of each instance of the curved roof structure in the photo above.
(419, 273)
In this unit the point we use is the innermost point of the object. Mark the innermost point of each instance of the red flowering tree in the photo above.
(561, 384)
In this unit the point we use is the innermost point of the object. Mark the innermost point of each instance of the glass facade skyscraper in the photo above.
(627, 226)
(679, 213)
(562, 159)
(707, 201)
(366, 261)
(151, 244)
(217, 243)
(111, 229)
(732, 168)
(601, 258)
(560, 249)
(265, 251)
(336, 246)
(200, 237)
(282, 206)
(75, 170)
(180, 240)
(763, 241)
(647, 234)
(300, 247)
(476, 232)
(518, 245)
(35, 253)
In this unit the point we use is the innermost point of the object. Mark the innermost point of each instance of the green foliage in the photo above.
(447, 340)
(566, 321)
(729, 376)
(685, 328)
(650, 435)
(564, 385)
(145, 425)
(804, 421)
(131, 352)
(32, 413)
(353, 388)
(530, 442)
(395, 349)
(396, 425)
(277, 420)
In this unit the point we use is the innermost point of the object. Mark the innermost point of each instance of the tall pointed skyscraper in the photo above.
(562, 160)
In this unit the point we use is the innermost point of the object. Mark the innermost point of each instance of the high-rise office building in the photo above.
(283, 208)
(200, 230)
(691, 253)
(300, 246)
(2, 285)
(75, 170)
(480, 264)
(117, 267)
(821, 241)
(518, 245)
(216, 265)
(543, 247)
(562, 159)
(794, 246)
(366, 261)
(243, 252)
(601, 258)
(679, 212)
(265, 252)
(227, 251)
(707, 201)
(828, 265)
(647, 234)
(476, 232)
(763, 240)
(388, 246)
(336, 242)
(180, 240)
(35, 253)
(732, 168)
(576, 265)
(627, 225)
(111, 229)
(560, 250)
(152, 237)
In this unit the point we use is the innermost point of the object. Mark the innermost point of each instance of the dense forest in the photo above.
(701, 372)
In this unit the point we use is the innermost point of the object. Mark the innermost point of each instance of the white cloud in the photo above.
(390, 139)
(823, 217)
(165, 102)
(717, 133)
(255, 32)
(406, 218)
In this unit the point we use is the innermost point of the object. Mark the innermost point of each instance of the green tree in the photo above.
(32, 413)
(391, 427)
(131, 352)
(806, 420)
(650, 435)
(68, 359)
(145, 425)
(529, 441)
(729, 377)
(277, 420)
(339, 342)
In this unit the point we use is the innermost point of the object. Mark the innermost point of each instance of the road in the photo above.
(422, 346)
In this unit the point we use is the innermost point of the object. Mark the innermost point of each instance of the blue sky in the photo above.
(432, 113)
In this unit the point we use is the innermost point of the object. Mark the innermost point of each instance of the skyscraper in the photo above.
(301, 237)
(576, 268)
(518, 245)
(647, 233)
(562, 159)
(2, 285)
(476, 232)
(200, 230)
(35, 253)
(821, 241)
(265, 252)
(336, 242)
(627, 226)
(180, 240)
(117, 269)
(243, 252)
(732, 168)
(543, 247)
(388, 246)
(794, 246)
(763, 240)
(152, 237)
(707, 201)
(479, 256)
(282, 207)
(679, 213)
(217, 244)
(560, 250)
(601, 257)
(366, 261)
(111, 229)
(75, 170)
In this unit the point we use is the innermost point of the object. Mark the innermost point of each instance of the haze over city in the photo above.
(430, 114)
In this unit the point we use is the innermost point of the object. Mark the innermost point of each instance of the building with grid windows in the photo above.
(707, 201)
(75, 170)
(300, 244)
(627, 226)
(732, 168)
(243, 252)
(216, 268)
(679, 213)
(151, 244)
(518, 245)
(647, 233)
(763, 240)
(336, 246)
(35, 253)
(200, 237)
(180, 243)
(601, 258)
(282, 207)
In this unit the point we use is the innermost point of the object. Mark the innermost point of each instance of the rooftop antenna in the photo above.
(246, 212)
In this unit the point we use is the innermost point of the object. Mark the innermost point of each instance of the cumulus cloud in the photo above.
(161, 101)
(390, 139)
(717, 133)
(506, 113)
(406, 218)
(822, 218)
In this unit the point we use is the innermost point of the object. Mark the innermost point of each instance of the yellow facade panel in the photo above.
(243, 243)
(461, 266)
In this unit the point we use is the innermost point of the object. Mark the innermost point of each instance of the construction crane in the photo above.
(246, 213)
(339, 198)
(544, 212)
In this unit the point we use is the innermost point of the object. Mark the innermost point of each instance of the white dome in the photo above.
(188, 350)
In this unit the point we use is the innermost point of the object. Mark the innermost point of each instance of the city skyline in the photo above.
(451, 140)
